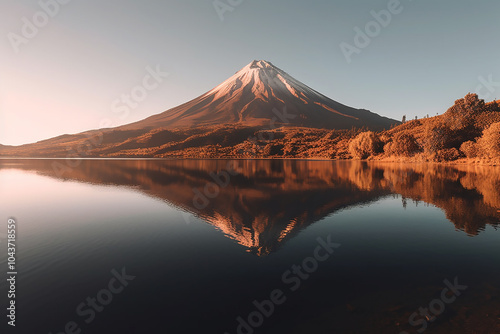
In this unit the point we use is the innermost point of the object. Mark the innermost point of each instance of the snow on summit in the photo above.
(251, 97)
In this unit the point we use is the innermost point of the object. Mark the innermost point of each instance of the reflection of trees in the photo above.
(269, 201)
(470, 196)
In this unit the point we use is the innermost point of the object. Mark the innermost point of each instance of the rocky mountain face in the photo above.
(259, 97)
(262, 94)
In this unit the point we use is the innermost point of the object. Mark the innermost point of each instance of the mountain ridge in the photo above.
(249, 98)
(260, 96)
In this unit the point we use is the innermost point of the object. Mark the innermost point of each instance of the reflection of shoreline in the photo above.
(468, 194)
(269, 201)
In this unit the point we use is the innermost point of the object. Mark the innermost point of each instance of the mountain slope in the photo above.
(259, 97)
(260, 94)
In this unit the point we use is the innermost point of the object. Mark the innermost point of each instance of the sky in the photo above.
(69, 66)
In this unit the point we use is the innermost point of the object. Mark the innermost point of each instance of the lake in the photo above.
(252, 246)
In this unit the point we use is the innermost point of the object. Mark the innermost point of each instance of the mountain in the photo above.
(259, 97)
(254, 95)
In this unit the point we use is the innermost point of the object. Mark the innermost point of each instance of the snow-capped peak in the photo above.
(260, 64)
(265, 81)
(261, 93)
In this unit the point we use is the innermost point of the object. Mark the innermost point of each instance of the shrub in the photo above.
(470, 149)
(364, 145)
(403, 144)
(487, 119)
(273, 149)
(436, 137)
(447, 154)
(489, 143)
(466, 119)
(464, 112)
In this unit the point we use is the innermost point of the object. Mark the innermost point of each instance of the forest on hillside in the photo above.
(469, 131)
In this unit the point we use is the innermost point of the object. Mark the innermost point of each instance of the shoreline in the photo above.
(400, 160)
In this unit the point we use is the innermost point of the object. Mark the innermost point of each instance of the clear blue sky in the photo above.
(66, 77)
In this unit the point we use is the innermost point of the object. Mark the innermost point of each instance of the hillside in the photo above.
(468, 132)
(258, 98)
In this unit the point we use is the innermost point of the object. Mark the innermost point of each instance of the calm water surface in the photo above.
(205, 239)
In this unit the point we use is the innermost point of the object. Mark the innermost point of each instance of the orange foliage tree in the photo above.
(364, 145)
(489, 143)
(403, 144)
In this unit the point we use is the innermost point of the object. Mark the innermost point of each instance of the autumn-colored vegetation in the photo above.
(469, 195)
(469, 129)
(468, 132)
(364, 145)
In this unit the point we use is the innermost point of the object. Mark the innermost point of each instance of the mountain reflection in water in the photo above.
(263, 203)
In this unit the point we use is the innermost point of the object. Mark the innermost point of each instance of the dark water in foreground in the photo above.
(202, 253)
